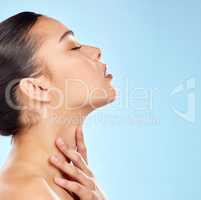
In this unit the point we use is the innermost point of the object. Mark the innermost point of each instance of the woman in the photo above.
(49, 83)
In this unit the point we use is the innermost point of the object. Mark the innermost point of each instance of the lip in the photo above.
(105, 69)
(109, 76)
(105, 72)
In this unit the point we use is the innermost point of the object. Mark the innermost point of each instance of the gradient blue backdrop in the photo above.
(151, 47)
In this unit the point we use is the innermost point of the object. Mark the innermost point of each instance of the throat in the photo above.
(32, 151)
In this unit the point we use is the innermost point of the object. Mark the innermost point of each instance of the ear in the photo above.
(36, 89)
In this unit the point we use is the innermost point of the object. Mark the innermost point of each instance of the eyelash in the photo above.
(75, 48)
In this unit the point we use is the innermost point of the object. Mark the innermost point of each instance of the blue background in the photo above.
(151, 47)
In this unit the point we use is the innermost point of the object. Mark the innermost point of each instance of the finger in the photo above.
(74, 156)
(81, 147)
(74, 187)
(72, 171)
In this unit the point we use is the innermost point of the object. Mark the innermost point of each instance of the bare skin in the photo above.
(29, 172)
(77, 182)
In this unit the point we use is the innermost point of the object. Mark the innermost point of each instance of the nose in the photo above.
(92, 52)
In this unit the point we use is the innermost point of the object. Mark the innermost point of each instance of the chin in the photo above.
(111, 96)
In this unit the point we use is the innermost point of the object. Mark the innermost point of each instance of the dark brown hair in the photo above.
(17, 48)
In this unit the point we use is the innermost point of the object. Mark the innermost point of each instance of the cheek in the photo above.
(83, 69)
(78, 78)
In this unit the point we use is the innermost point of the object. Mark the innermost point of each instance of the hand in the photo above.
(83, 182)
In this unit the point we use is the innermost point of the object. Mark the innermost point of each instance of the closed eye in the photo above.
(75, 48)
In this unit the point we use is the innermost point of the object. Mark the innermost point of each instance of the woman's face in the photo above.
(78, 76)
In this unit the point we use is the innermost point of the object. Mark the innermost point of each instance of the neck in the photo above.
(33, 147)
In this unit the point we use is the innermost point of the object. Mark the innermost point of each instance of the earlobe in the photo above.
(34, 89)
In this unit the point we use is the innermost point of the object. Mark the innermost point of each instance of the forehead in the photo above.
(48, 28)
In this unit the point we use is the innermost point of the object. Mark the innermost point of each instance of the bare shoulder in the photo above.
(21, 189)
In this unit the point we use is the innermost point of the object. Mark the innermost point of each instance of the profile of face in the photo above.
(78, 77)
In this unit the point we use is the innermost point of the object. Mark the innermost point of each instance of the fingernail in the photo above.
(60, 181)
(54, 158)
(60, 141)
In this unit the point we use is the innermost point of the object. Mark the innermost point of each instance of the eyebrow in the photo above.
(70, 32)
